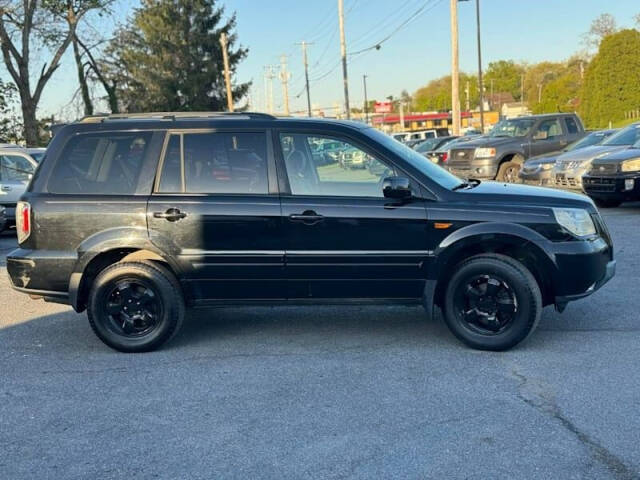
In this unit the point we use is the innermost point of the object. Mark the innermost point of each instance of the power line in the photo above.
(423, 9)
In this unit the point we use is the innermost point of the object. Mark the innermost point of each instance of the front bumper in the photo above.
(613, 187)
(610, 271)
(484, 169)
(569, 179)
(538, 177)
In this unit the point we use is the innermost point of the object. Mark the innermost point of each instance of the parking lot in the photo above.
(326, 392)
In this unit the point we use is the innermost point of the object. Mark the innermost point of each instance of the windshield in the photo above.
(427, 145)
(592, 139)
(516, 127)
(626, 136)
(434, 172)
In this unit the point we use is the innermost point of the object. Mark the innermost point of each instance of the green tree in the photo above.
(611, 80)
(168, 57)
(436, 95)
(506, 76)
(10, 125)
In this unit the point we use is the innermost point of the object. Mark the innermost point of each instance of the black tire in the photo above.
(153, 323)
(517, 289)
(508, 171)
(607, 203)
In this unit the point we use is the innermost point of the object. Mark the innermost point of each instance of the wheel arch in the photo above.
(515, 241)
(106, 248)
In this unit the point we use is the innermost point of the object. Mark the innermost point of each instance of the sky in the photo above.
(418, 51)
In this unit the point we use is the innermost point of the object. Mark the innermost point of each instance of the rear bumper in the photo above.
(41, 273)
(613, 187)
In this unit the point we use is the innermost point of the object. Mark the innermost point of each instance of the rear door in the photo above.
(215, 207)
(343, 238)
(15, 172)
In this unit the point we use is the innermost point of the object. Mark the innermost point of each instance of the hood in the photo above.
(619, 156)
(590, 153)
(490, 192)
(486, 141)
(546, 158)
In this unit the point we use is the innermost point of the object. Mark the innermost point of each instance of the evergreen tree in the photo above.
(169, 58)
(611, 81)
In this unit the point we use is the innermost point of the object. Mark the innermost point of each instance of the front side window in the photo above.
(517, 127)
(572, 126)
(318, 165)
(548, 129)
(215, 163)
(14, 168)
(100, 164)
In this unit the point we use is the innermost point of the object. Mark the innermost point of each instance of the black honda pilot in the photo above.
(135, 217)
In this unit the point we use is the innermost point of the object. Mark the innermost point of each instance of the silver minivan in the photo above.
(16, 169)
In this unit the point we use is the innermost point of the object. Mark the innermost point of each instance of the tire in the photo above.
(518, 302)
(135, 306)
(508, 171)
(607, 203)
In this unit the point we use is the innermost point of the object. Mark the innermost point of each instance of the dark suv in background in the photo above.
(136, 217)
(500, 154)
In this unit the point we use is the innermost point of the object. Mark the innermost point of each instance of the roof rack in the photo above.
(102, 117)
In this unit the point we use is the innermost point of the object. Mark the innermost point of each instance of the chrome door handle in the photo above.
(6, 188)
(171, 215)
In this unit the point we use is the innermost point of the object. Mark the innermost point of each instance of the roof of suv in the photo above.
(154, 118)
(544, 115)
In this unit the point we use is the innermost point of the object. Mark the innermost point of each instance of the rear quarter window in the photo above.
(100, 164)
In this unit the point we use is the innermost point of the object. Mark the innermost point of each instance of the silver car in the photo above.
(16, 169)
(571, 166)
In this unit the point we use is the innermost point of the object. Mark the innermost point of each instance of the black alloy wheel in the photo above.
(133, 307)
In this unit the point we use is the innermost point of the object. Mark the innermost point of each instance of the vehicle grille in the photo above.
(596, 184)
(604, 169)
(461, 157)
(570, 182)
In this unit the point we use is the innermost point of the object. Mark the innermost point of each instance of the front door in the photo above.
(343, 238)
(548, 137)
(215, 208)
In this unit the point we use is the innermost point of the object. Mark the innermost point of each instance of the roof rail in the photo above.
(102, 117)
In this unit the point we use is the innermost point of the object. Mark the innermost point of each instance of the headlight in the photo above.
(575, 220)
(546, 166)
(631, 165)
(485, 152)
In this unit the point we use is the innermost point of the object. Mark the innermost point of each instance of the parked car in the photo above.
(431, 144)
(500, 154)
(134, 217)
(441, 154)
(412, 138)
(36, 153)
(570, 167)
(538, 170)
(16, 169)
(3, 219)
(614, 178)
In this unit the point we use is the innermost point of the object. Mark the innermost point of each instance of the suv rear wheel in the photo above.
(492, 302)
(135, 306)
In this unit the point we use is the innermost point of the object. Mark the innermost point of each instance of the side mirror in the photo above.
(396, 187)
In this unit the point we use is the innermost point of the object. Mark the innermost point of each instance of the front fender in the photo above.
(492, 233)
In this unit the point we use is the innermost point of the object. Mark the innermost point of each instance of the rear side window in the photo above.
(215, 163)
(572, 126)
(100, 164)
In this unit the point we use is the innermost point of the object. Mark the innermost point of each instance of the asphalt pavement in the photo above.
(326, 392)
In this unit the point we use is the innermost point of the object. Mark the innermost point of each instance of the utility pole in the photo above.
(269, 76)
(366, 102)
(402, 126)
(227, 75)
(466, 91)
(480, 83)
(522, 90)
(306, 74)
(343, 53)
(284, 78)
(455, 87)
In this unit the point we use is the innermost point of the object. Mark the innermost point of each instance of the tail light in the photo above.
(23, 221)
(445, 157)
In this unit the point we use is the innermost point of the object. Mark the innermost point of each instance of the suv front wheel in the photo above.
(492, 302)
(135, 306)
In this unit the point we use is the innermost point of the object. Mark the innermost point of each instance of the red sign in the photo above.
(383, 107)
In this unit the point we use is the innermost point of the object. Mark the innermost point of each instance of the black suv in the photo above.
(135, 217)
(501, 154)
